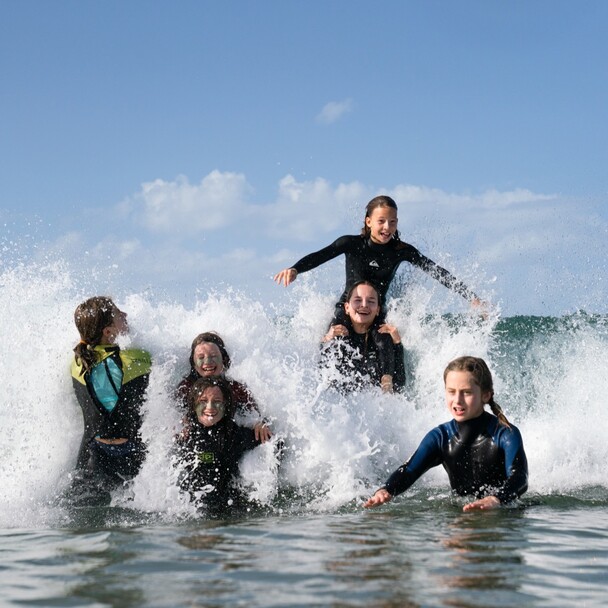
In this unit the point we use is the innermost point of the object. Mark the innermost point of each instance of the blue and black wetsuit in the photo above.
(369, 261)
(111, 394)
(481, 456)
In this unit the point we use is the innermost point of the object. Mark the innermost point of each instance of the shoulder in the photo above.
(439, 435)
(503, 434)
(349, 241)
(136, 362)
(404, 249)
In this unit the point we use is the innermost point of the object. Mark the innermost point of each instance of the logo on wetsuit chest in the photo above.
(206, 457)
(374, 264)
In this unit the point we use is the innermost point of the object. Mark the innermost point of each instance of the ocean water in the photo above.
(310, 542)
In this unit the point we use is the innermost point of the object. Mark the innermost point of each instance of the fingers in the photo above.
(335, 331)
(483, 504)
(286, 276)
(262, 432)
(379, 498)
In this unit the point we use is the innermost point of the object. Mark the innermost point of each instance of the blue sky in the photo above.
(176, 145)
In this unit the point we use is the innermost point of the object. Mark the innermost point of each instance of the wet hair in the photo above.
(482, 376)
(375, 203)
(91, 317)
(201, 385)
(354, 286)
(212, 338)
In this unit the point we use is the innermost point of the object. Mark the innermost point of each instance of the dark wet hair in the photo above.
(91, 317)
(482, 376)
(213, 338)
(201, 385)
(375, 203)
(354, 286)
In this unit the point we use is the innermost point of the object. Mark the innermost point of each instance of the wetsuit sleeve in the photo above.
(399, 375)
(245, 441)
(442, 275)
(428, 455)
(312, 260)
(386, 353)
(516, 464)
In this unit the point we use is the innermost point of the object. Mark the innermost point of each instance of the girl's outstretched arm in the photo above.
(379, 498)
(286, 276)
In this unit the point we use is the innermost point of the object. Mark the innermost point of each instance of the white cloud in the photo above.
(333, 111)
(533, 243)
(179, 207)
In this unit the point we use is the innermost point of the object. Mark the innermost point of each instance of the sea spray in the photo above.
(548, 377)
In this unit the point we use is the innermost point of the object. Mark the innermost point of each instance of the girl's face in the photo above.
(463, 396)
(208, 359)
(363, 306)
(382, 224)
(210, 407)
(118, 327)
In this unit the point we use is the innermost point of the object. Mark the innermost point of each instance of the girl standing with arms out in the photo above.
(482, 453)
(110, 385)
(374, 256)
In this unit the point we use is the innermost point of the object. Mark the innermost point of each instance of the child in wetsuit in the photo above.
(482, 453)
(362, 353)
(374, 256)
(209, 451)
(209, 358)
(110, 385)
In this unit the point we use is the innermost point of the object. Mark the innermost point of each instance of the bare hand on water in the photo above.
(483, 504)
(379, 498)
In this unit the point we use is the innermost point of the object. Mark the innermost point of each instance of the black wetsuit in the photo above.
(362, 359)
(107, 465)
(369, 261)
(481, 456)
(209, 458)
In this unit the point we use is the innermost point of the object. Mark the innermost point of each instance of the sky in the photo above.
(181, 147)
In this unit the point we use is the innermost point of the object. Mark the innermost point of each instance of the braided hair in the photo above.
(91, 317)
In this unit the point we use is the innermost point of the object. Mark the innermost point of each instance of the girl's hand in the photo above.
(335, 331)
(262, 432)
(483, 504)
(386, 383)
(379, 498)
(286, 276)
(385, 328)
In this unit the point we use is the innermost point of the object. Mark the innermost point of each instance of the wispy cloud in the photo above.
(333, 111)
(181, 235)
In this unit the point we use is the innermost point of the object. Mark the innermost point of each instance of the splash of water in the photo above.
(548, 377)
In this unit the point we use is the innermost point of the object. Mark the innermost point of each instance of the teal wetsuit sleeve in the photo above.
(516, 463)
(106, 382)
(428, 455)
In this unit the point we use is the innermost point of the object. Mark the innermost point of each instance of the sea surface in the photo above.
(309, 542)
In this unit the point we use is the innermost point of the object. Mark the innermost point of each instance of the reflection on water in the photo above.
(413, 553)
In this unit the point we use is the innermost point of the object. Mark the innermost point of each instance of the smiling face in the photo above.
(209, 406)
(463, 396)
(362, 307)
(207, 359)
(382, 224)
